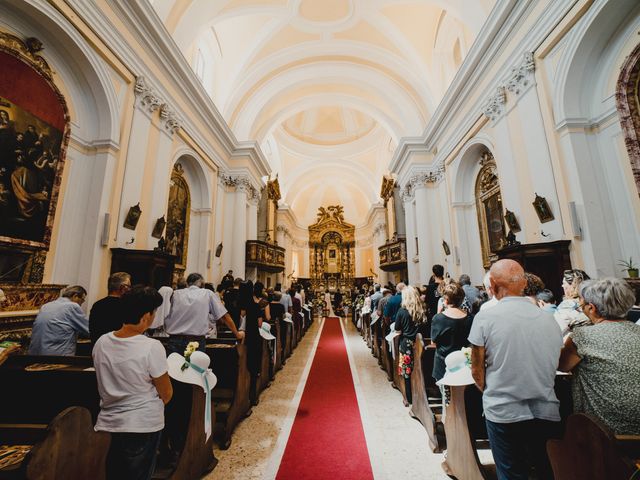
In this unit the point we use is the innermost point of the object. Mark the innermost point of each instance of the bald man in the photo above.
(515, 352)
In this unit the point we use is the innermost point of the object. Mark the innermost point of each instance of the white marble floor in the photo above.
(397, 443)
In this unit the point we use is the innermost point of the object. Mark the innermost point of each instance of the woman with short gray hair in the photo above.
(605, 358)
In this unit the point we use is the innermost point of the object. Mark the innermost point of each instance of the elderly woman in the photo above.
(605, 357)
(567, 314)
(409, 319)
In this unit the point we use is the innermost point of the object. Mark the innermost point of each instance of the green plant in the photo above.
(628, 265)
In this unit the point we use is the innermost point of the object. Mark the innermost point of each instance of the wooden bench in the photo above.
(231, 393)
(590, 451)
(426, 405)
(68, 448)
(75, 386)
(398, 379)
(466, 433)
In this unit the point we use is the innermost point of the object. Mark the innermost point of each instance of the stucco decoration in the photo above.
(493, 109)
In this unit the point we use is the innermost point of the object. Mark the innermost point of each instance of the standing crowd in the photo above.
(520, 340)
(131, 363)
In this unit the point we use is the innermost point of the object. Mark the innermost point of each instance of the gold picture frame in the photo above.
(543, 210)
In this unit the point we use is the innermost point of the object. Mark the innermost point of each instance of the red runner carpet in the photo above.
(327, 439)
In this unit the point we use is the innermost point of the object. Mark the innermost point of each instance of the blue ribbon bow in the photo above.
(207, 407)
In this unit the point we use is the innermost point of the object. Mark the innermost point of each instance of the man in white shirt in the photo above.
(286, 302)
(515, 352)
(493, 301)
(188, 320)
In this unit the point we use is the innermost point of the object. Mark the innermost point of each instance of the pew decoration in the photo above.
(196, 372)
(191, 347)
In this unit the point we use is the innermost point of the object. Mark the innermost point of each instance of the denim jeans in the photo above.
(518, 446)
(132, 456)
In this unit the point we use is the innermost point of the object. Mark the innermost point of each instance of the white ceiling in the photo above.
(327, 87)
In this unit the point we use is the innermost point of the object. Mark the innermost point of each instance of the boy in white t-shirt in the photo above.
(134, 387)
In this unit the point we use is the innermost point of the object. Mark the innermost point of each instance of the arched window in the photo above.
(489, 206)
(178, 210)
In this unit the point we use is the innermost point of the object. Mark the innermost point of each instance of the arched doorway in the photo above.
(489, 208)
(628, 105)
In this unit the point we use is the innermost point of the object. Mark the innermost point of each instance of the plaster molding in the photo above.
(522, 75)
(147, 96)
(169, 119)
(494, 107)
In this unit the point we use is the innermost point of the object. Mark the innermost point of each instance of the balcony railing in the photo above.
(265, 256)
(393, 255)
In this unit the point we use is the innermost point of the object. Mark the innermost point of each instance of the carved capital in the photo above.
(169, 119)
(147, 97)
(493, 109)
(521, 75)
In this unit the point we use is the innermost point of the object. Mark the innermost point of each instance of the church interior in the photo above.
(312, 209)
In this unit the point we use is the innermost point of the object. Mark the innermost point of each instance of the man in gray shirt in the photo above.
(515, 352)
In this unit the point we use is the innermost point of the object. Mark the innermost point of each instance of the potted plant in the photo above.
(629, 267)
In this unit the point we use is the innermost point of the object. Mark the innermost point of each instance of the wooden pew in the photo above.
(231, 393)
(426, 406)
(366, 328)
(286, 340)
(387, 359)
(590, 451)
(197, 458)
(398, 379)
(264, 378)
(68, 448)
(466, 432)
(76, 386)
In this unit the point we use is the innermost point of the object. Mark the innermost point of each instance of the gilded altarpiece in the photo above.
(490, 211)
(34, 134)
(331, 250)
(178, 210)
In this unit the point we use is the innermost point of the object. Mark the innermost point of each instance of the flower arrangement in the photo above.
(467, 354)
(191, 347)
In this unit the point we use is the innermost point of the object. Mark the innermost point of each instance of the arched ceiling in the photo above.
(327, 87)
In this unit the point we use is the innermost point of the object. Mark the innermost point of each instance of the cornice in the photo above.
(143, 22)
(501, 24)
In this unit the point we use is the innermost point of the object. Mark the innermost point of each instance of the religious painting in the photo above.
(542, 209)
(132, 218)
(512, 221)
(29, 153)
(158, 228)
(178, 209)
(332, 253)
(490, 212)
(34, 133)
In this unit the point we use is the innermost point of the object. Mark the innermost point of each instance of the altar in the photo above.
(332, 250)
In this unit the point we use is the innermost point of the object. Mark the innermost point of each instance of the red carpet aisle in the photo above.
(327, 439)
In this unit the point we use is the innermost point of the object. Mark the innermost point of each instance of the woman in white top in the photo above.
(328, 305)
(134, 387)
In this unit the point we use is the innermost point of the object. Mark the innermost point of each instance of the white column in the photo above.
(238, 244)
(252, 220)
(280, 238)
(134, 171)
(409, 215)
(161, 178)
(424, 231)
(218, 231)
(228, 236)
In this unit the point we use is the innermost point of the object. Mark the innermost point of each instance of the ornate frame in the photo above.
(177, 175)
(487, 185)
(628, 105)
(28, 52)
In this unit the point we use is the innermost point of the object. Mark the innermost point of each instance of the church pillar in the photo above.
(424, 229)
(412, 257)
(218, 234)
(147, 102)
(251, 273)
(161, 178)
(238, 244)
